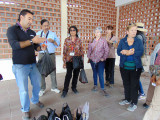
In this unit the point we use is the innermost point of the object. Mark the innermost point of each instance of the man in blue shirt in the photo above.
(52, 42)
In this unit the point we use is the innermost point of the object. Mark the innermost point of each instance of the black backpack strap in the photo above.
(46, 34)
(41, 34)
(144, 43)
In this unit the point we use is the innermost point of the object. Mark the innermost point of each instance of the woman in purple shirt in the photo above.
(97, 53)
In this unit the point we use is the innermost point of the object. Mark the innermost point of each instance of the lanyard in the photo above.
(72, 48)
(46, 36)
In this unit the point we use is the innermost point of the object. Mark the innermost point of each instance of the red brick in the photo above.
(10, 14)
(145, 17)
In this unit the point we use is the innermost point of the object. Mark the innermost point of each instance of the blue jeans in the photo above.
(22, 72)
(140, 88)
(98, 69)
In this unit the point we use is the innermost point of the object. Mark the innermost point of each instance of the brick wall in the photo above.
(89, 14)
(85, 14)
(147, 12)
(9, 11)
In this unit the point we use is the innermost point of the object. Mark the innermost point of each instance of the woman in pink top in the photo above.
(110, 61)
(97, 53)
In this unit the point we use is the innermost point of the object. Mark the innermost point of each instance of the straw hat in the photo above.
(140, 27)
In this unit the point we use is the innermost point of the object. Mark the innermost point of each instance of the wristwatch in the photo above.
(31, 42)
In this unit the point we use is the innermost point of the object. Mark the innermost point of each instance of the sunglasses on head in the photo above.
(132, 23)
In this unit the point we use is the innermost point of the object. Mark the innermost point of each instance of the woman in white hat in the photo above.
(140, 34)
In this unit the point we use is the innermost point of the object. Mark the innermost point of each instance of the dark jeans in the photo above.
(109, 70)
(131, 84)
(98, 69)
(69, 66)
(141, 91)
(140, 88)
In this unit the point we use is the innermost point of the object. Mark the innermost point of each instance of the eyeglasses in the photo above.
(72, 30)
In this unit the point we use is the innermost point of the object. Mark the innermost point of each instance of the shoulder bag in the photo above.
(92, 50)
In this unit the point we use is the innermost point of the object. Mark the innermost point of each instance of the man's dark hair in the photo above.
(24, 12)
(44, 20)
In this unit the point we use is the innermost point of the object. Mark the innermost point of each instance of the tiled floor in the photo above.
(101, 108)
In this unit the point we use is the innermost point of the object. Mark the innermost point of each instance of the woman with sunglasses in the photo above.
(72, 47)
(130, 50)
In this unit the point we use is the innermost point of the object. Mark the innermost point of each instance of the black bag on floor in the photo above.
(77, 62)
(52, 114)
(66, 113)
(83, 77)
(79, 114)
(42, 117)
(45, 65)
(1, 78)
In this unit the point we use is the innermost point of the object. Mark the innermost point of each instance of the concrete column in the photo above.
(63, 22)
(117, 21)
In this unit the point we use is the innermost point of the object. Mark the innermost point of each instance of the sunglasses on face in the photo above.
(72, 30)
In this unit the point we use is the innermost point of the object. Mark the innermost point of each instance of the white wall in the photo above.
(124, 2)
(6, 66)
(6, 69)
(63, 23)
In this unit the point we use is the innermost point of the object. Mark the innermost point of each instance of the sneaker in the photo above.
(107, 83)
(145, 106)
(26, 116)
(75, 91)
(55, 90)
(111, 85)
(64, 93)
(104, 93)
(95, 88)
(132, 107)
(41, 92)
(39, 104)
(141, 97)
(124, 102)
